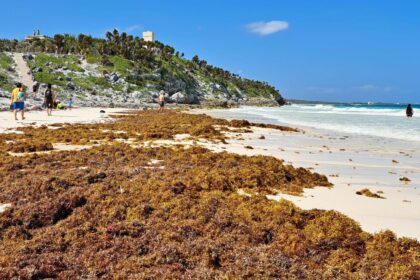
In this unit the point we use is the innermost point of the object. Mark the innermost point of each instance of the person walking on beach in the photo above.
(409, 111)
(70, 103)
(161, 101)
(18, 101)
(49, 99)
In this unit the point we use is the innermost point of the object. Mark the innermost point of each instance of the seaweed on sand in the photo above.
(106, 212)
(245, 123)
(368, 193)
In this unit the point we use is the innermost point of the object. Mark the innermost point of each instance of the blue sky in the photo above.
(347, 50)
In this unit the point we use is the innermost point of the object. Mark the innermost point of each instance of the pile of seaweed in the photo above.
(125, 212)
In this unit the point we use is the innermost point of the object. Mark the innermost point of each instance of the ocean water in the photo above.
(380, 120)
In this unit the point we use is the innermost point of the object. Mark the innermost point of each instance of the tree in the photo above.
(109, 36)
(59, 42)
(196, 59)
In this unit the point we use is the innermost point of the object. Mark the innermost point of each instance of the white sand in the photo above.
(3, 207)
(38, 118)
(359, 162)
(365, 162)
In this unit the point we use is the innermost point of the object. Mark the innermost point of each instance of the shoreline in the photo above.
(352, 163)
(317, 150)
(168, 190)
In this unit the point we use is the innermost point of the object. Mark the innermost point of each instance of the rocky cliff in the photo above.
(131, 74)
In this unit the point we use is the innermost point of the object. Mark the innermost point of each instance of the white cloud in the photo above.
(133, 28)
(267, 28)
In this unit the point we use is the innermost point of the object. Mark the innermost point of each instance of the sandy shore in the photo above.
(352, 163)
(37, 118)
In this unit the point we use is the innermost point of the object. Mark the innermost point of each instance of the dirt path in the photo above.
(23, 71)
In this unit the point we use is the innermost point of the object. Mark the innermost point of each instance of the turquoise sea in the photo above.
(381, 120)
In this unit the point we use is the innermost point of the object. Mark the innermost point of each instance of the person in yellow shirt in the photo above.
(18, 101)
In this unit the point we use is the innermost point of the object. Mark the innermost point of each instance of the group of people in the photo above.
(18, 98)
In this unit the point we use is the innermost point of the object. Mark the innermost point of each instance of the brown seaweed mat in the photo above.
(116, 211)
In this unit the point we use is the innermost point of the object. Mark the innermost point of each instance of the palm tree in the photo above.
(116, 36)
(109, 36)
(59, 42)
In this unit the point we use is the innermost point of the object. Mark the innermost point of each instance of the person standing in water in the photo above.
(409, 111)
(161, 101)
(18, 101)
(49, 99)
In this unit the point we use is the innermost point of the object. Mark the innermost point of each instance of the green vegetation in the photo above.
(134, 59)
(6, 82)
(5, 61)
(90, 82)
(121, 65)
(69, 61)
(50, 78)
(93, 58)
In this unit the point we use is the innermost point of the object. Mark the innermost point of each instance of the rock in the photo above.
(70, 86)
(145, 77)
(37, 70)
(28, 57)
(178, 97)
(280, 100)
(102, 111)
(114, 78)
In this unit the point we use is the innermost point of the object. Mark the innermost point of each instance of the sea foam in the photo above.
(387, 121)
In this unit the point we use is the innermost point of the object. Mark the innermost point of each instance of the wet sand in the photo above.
(352, 163)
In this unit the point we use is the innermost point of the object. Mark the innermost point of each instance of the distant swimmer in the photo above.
(409, 111)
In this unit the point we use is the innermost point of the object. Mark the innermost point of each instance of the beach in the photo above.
(185, 195)
(37, 118)
(352, 162)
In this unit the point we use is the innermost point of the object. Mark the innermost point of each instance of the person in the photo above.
(60, 105)
(18, 101)
(161, 101)
(35, 88)
(70, 104)
(49, 99)
(409, 111)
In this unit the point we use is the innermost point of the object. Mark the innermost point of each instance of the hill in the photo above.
(123, 70)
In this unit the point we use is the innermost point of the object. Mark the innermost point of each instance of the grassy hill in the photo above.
(7, 72)
(126, 69)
